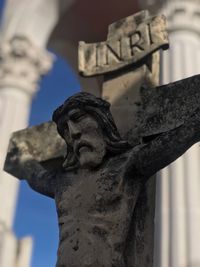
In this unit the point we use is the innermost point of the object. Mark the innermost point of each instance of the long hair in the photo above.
(98, 109)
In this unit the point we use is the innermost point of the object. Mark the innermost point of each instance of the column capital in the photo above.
(22, 63)
(152, 5)
(182, 16)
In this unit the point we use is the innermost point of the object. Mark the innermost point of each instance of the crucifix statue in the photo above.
(97, 183)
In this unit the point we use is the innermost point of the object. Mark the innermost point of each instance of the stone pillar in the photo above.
(24, 252)
(177, 221)
(24, 34)
(8, 249)
(21, 65)
(178, 187)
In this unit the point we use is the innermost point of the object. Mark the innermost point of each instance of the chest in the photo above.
(86, 189)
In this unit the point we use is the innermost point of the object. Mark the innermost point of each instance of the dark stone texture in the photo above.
(101, 185)
(130, 41)
(159, 110)
(97, 193)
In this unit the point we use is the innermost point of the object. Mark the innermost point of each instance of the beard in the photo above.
(91, 157)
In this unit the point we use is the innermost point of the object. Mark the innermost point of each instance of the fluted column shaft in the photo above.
(177, 221)
(24, 33)
(21, 65)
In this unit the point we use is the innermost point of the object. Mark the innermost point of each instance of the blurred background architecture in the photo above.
(27, 29)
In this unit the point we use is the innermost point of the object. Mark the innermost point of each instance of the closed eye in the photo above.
(78, 116)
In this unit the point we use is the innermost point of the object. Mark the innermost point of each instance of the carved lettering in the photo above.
(114, 52)
(101, 51)
(133, 46)
(107, 54)
(149, 34)
(121, 50)
(135, 43)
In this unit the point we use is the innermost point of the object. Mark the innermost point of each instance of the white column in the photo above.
(177, 221)
(33, 19)
(21, 66)
(24, 252)
(24, 32)
(8, 249)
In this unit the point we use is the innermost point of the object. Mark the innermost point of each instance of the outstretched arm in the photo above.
(26, 167)
(166, 147)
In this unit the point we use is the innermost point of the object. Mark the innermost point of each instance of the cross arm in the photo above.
(33, 156)
(167, 107)
(166, 147)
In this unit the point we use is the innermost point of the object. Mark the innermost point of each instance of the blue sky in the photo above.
(36, 214)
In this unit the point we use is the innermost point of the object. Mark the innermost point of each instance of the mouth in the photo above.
(82, 147)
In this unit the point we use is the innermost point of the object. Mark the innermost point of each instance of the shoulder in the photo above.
(64, 178)
(116, 163)
(133, 167)
(119, 159)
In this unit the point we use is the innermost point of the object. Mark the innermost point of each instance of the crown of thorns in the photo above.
(80, 100)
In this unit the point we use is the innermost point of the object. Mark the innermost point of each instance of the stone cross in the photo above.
(157, 111)
(142, 66)
(129, 60)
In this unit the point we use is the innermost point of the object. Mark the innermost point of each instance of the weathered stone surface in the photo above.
(166, 107)
(130, 40)
(22, 63)
(161, 117)
(43, 143)
(159, 110)
(121, 88)
(98, 188)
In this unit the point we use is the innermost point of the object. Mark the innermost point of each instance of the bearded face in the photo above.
(84, 135)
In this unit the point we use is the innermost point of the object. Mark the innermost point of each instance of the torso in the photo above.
(94, 212)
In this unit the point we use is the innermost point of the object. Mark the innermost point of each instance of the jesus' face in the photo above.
(83, 133)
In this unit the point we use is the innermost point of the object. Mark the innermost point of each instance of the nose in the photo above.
(74, 130)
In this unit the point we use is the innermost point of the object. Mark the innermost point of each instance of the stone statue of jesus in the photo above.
(96, 189)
